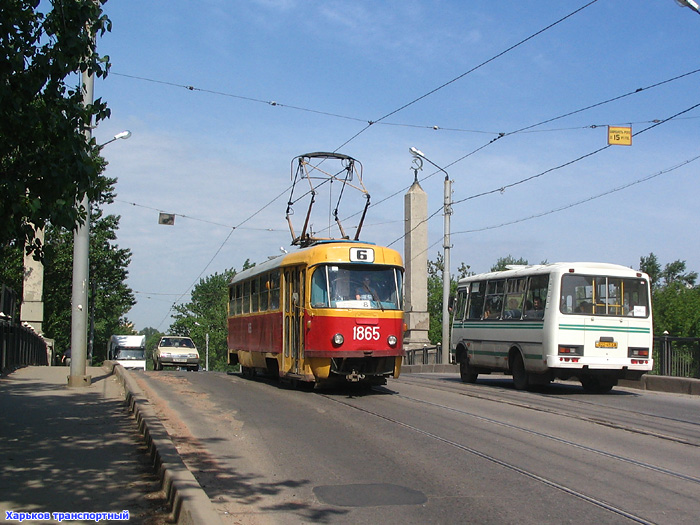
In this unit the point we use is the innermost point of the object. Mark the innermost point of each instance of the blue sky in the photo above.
(219, 154)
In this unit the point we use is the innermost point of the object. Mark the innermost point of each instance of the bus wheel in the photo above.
(597, 385)
(520, 379)
(466, 372)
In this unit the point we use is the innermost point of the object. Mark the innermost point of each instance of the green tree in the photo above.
(435, 294)
(110, 297)
(503, 262)
(47, 163)
(206, 313)
(675, 298)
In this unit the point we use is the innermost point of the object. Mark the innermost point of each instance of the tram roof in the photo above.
(315, 253)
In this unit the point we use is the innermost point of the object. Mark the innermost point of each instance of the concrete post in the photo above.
(416, 262)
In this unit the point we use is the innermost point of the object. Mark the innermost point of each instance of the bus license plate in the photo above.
(606, 344)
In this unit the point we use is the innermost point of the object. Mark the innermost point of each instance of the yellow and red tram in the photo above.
(332, 310)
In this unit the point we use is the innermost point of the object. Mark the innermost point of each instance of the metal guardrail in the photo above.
(676, 356)
(20, 346)
(428, 355)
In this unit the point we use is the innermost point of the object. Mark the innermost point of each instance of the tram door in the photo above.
(293, 319)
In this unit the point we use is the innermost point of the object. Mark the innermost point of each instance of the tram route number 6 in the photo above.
(365, 333)
(365, 255)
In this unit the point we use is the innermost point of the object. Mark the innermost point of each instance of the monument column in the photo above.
(416, 263)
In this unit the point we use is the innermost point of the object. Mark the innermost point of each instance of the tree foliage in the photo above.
(503, 262)
(435, 294)
(47, 163)
(675, 298)
(206, 313)
(109, 295)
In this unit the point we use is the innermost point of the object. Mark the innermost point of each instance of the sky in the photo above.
(512, 99)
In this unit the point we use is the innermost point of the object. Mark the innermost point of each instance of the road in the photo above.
(427, 448)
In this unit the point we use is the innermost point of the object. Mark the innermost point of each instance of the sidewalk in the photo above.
(73, 449)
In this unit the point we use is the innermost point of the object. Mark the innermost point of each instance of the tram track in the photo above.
(505, 464)
(568, 414)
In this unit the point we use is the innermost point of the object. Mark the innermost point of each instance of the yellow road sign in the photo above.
(620, 135)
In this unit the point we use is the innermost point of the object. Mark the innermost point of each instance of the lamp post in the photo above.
(447, 210)
(81, 274)
(692, 4)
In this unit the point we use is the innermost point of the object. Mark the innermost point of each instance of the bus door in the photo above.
(293, 320)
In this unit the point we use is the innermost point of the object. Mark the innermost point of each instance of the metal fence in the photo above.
(677, 356)
(427, 355)
(20, 346)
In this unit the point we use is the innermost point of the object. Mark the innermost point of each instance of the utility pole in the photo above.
(447, 210)
(81, 277)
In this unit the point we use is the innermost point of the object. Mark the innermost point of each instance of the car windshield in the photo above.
(356, 286)
(177, 341)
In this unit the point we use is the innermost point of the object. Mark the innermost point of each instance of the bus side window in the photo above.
(461, 305)
(536, 297)
(494, 299)
(475, 305)
(515, 294)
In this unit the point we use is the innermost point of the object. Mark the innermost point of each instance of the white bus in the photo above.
(591, 321)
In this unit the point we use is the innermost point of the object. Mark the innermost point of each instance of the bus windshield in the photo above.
(604, 295)
(356, 286)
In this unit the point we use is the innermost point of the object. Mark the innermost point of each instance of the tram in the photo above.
(330, 311)
(591, 321)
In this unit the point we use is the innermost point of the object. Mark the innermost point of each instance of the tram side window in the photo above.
(515, 298)
(237, 299)
(494, 299)
(246, 298)
(476, 301)
(536, 297)
(319, 288)
(254, 294)
(264, 293)
(274, 290)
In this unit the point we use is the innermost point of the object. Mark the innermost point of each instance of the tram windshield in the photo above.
(356, 286)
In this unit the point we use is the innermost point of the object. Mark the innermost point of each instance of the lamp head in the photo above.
(123, 135)
(416, 152)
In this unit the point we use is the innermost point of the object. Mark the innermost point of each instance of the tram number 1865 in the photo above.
(365, 333)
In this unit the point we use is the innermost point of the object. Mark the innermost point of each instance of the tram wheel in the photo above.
(466, 372)
(520, 378)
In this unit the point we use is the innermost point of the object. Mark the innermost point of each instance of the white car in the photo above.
(176, 351)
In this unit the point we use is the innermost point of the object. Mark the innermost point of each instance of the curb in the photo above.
(189, 503)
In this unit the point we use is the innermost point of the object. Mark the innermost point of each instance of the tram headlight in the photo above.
(338, 339)
(392, 340)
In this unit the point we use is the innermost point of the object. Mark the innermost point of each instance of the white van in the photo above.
(128, 350)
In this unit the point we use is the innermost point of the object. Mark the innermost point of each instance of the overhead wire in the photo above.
(503, 188)
(567, 206)
(393, 112)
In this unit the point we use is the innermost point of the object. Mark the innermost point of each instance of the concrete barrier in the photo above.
(189, 503)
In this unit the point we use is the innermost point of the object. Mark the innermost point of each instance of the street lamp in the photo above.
(81, 277)
(692, 4)
(447, 210)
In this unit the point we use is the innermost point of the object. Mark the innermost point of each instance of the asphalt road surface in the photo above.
(427, 448)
